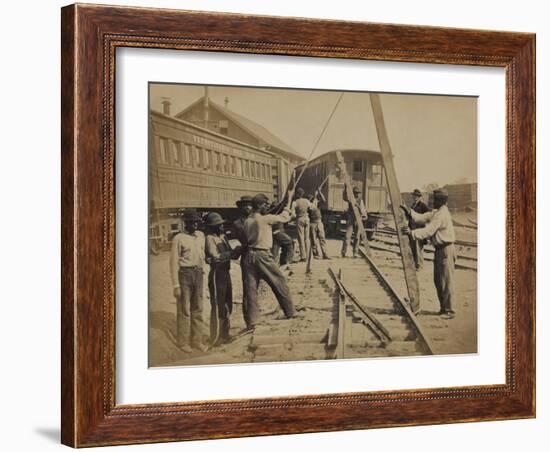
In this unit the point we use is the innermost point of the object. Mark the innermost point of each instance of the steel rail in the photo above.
(403, 304)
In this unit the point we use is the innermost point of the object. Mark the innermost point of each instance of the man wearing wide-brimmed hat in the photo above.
(351, 224)
(417, 246)
(439, 229)
(186, 269)
(219, 255)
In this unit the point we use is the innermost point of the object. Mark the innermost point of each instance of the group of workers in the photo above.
(265, 251)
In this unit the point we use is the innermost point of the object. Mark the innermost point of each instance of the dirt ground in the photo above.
(280, 339)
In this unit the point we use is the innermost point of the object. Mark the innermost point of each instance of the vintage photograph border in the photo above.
(90, 37)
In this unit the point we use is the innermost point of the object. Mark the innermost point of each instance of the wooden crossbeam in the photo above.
(395, 196)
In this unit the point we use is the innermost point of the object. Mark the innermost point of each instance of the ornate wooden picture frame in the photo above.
(90, 37)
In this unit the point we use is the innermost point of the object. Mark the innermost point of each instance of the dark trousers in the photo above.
(352, 230)
(257, 265)
(190, 324)
(319, 242)
(417, 248)
(221, 302)
(444, 273)
(283, 243)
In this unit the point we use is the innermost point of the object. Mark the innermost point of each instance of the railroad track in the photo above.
(378, 320)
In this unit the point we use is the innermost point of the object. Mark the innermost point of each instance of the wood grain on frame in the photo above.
(90, 36)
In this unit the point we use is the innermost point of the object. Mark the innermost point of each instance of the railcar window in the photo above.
(197, 157)
(175, 147)
(207, 159)
(217, 162)
(187, 152)
(163, 150)
(374, 176)
(239, 167)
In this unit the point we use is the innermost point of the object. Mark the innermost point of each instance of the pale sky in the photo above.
(433, 138)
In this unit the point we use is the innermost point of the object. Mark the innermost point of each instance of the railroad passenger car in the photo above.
(366, 171)
(193, 167)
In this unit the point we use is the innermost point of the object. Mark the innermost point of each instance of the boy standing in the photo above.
(186, 269)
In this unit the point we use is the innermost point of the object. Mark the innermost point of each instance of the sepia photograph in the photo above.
(296, 224)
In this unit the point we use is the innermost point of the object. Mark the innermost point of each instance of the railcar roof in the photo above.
(368, 152)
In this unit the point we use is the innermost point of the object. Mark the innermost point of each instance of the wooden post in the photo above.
(349, 195)
(395, 196)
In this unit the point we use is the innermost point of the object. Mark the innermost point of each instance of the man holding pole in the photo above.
(257, 261)
(300, 209)
(352, 228)
(439, 229)
(417, 246)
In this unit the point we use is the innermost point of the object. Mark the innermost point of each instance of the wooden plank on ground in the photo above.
(395, 196)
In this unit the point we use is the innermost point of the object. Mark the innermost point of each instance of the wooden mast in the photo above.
(395, 196)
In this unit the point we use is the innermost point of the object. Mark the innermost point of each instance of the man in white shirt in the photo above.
(439, 229)
(257, 261)
(186, 269)
(300, 209)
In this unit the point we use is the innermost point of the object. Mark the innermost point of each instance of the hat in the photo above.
(441, 193)
(417, 192)
(244, 200)
(260, 198)
(213, 219)
(300, 191)
(356, 190)
(191, 215)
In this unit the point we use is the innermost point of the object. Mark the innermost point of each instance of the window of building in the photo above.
(246, 168)
(217, 162)
(233, 166)
(253, 170)
(264, 175)
(358, 166)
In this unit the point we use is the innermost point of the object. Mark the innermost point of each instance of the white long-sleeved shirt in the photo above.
(187, 251)
(439, 226)
(257, 228)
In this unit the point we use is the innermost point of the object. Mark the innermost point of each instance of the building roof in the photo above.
(255, 129)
